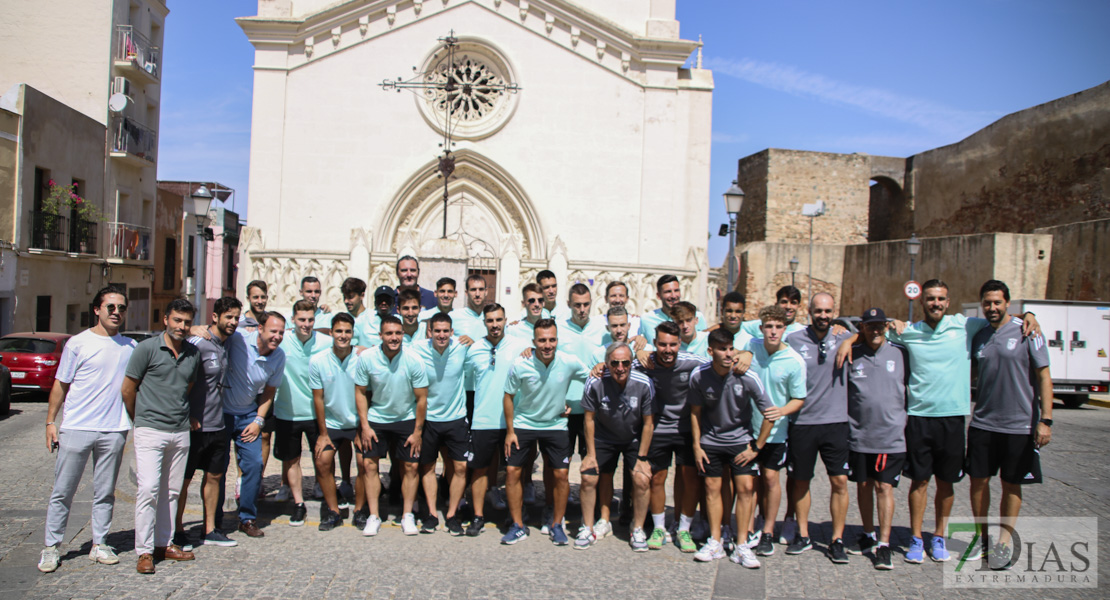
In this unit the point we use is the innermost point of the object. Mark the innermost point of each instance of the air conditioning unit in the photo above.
(121, 85)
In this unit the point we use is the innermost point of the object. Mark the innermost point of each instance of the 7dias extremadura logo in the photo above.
(1029, 552)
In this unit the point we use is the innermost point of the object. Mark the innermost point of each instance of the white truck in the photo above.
(1078, 335)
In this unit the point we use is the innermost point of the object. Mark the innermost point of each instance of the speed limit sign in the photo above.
(912, 290)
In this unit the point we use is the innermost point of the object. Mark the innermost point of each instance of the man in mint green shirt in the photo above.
(311, 292)
(580, 336)
(535, 413)
(408, 308)
(783, 373)
(445, 426)
(470, 321)
(789, 298)
(691, 341)
(368, 323)
(532, 299)
(394, 421)
(293, 406)
(331, 379)
(669, 292)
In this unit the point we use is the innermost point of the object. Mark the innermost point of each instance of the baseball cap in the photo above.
(385, 290)
(874, 315)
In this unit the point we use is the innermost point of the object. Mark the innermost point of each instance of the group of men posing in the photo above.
(416, 380)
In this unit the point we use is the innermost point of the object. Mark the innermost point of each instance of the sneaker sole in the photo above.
(577, 547)
(770, 552)
(710, 559)
(884, 567)
(105, 562)
(838, 562)
(915, 561)
(364, 534)
(795, 552)
(687, 550)
(296, 523)
(513, 541)
(47, 570)
(417, 532)
(230, 544)
(935, 559)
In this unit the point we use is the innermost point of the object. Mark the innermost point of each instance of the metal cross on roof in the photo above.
(448, 76)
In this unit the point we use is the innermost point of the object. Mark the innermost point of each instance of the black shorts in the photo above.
(455, 435)
(721, 457)
(555, 446)
(663, 445)
(340, 436)
(392, 438)
(884, 468)
(287, 438)
(607, 455)
(484, 445)
(207, 452)
(470, 405)
(1012, 453)
(270, 422)
(576, 429)
(772, 457)
(806, 441)
(935, 446)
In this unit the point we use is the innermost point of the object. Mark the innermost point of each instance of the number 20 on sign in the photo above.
(912, 290)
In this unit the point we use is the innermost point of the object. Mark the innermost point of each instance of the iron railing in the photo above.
(49, 231)
(135, 48)
(128, 241)
(134, 138)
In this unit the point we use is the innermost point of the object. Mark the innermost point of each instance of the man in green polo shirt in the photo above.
(331, 379)
(535, 412)
(669, 292)
(394, 422)
(470, 321)
(408, 307)
(293, 405)
(155, 392)
(531, 298)
(789, 298)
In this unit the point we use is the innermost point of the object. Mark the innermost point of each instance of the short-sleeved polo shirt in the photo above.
(323, 321)
(826, 386)
(162, 401)
(337, 379)
(293, 401)
(206, 405)
(877, 399)
(1007, 362)
(582, 341)
(445, 372)
(619, 413)
(471, 324)
(367, 329)
(523, 330)
(540, 391)
(699, 345)
(490, 366)
(727, 418)
(650, 320)
(783, 375)
(672, 386)
(752, 328)
(391, 383)
(417, 336)
(940, 365)
(249, 372)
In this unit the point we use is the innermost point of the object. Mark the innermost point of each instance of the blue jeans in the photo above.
(250, 463)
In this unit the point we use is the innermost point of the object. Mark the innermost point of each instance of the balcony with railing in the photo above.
(129, 242)
(82, 236)
(133, 142)
(49, 231)
(135, 56)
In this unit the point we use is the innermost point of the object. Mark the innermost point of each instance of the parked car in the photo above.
(139, 336)
(32, 358)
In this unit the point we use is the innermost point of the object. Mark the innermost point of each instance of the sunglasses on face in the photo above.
(534, 300)
(620, 363)
(120, 308)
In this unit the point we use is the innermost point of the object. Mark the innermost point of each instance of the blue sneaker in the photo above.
(916, 552)
(516, 534)
(558, 536)
(939, 552)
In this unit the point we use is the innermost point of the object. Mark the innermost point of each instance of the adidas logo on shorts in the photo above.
(566, 461)
(845, 465)
(1029, 476)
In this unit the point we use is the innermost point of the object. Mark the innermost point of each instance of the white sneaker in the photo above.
(753, 539)
(602, 528)
(529, 494)
(744, 557)
(585, 538)
(546, 519)
(373, 526)
(317, 491)
(103, 554)
(788, 532)
(408, 524)
(711, 551)
(48, 561)
(283, 494)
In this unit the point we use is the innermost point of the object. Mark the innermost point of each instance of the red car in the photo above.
(32, 358)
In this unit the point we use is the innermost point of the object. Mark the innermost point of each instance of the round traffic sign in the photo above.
(912, 290)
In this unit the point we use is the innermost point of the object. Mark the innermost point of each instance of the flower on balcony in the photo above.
(63, 197)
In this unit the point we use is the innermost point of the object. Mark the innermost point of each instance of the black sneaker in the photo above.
(454, 526)
(299, 513)
(360, 517)
(766, 546)
(1001, 557)
(882, 558)
(330, 521)
(799, 545)
(477, 524)
(217, 538)
(865, 544)
(429, 524)
(181, 539)
(837, 553)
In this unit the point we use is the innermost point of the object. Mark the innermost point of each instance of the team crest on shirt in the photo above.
(1011, 343)
(633, 401)
(804, 351)
(857, 371)
(684, 377)
(890, 366)
(738, 389)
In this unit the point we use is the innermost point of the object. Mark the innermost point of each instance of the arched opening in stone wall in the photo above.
(888, 215)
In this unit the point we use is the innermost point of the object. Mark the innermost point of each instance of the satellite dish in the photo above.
(117, 102)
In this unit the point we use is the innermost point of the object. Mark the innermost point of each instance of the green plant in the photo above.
(63, 197)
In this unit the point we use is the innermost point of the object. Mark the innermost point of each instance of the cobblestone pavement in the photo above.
(305, 563)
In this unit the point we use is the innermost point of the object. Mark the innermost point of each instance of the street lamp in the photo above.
(812, 211)
(793, 269)
(734, 199)
(913, 248)
(202, 201)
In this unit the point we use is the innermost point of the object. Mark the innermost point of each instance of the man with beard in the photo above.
(156, 393)
(257, 297)
(470, 321)
(368, 324)
(669, 292)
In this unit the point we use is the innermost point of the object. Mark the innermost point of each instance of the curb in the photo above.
(1098, 402)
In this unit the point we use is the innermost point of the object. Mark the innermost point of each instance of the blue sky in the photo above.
(882, 77)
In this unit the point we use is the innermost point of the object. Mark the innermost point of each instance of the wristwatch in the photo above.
(754, 447)
(1047, 422)
(643, 458)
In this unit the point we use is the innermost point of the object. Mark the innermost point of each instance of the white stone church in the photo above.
(580, 143)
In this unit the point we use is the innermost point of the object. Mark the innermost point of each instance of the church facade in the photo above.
(579, 142)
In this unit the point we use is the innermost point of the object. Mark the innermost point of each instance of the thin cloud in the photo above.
(922, 113)
(720, 137)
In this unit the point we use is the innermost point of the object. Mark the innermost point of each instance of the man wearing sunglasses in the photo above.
(88, 386)
(531, 298)
(488, 362)
(617, 408)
